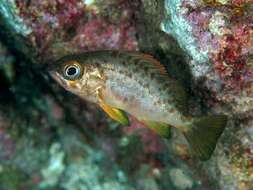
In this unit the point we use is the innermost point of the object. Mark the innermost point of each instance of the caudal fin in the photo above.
(203, 135)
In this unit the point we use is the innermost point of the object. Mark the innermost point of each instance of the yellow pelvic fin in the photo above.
(162, 129)
(114, 113)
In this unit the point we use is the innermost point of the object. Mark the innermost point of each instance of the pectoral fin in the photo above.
(114, 113)
(162, 129)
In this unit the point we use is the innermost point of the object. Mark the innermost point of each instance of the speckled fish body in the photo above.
(144, 91)
(129, 82)
(139, 85)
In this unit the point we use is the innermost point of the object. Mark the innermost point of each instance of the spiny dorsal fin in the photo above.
(150, 59)
(155, 62)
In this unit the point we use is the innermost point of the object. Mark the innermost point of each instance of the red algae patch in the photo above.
(72, 26)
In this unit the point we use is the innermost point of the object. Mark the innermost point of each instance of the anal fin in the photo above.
(162, 129)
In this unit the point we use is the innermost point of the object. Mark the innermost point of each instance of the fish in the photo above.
(134, 83)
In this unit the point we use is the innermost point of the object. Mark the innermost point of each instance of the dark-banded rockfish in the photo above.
(138, 84)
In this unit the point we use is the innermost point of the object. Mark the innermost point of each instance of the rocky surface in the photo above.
(49, 139)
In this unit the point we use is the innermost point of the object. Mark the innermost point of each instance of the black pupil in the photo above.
(71, 71)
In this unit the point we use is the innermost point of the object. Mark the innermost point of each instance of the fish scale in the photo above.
(137, 84)
(153, 96)
(156, 84)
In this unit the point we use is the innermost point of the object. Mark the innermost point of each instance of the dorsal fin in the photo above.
(155, 62)
(150, 59)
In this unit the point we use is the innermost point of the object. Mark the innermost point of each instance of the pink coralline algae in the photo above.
(230, 62)
(152, 143)
(225, 32)
(98, 34)
(242, 159)
(218, 34)
(77, 27)
(47, 19)
(7, 145)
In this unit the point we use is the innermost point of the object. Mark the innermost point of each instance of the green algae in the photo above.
(10, 178)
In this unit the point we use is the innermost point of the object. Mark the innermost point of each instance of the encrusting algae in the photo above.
(138, 84)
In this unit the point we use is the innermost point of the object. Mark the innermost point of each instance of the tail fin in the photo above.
(203, 135)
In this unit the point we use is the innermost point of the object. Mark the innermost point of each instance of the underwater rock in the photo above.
(60, 27)
(55, 168)
(181, 181)
(218, 37)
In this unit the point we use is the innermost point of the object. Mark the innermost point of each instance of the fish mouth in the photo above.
(56, 76)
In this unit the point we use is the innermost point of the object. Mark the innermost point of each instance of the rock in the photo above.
(219, 44)
(180, 179)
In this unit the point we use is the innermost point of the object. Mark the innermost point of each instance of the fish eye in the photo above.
(72, 71)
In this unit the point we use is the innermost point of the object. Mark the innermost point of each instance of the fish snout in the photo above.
(57, 77)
